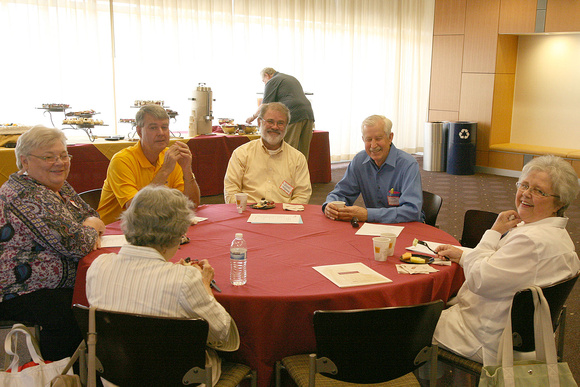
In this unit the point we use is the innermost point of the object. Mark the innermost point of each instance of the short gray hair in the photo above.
(375, 120)
(274, 106)
(36, 137)
(157, 217)
(564, 178)
(155, 110)
(267, 70)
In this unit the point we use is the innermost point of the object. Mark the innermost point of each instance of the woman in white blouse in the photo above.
(526, 246)
(139, 279)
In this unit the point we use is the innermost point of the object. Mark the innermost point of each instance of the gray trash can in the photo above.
(435, 147)
(461, 147)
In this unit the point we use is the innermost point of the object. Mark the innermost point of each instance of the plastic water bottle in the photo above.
(238, 258)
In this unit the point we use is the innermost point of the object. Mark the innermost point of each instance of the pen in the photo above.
(213, 284)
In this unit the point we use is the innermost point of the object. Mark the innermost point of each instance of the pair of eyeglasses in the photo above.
(534, 191)
(53, 159)
(280, 124)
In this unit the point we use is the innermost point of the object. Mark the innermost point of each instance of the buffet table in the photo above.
(273, 311)
(210, 156)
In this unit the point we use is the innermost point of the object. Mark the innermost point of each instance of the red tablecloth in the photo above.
(210, 156)
(274, 309)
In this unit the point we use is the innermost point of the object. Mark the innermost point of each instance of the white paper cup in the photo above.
(338, 204)
(380, 248)
(392, 241)
(241, 202)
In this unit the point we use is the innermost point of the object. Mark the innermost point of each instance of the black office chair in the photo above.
(367, 346)
(475, 224)
(136, 350)
(523, 324)
(431, 206)
(92, 197)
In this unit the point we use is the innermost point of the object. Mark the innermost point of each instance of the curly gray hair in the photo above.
(157, 217)
(563, 176)
(36, 137)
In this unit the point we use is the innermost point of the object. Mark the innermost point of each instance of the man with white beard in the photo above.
(268, 168)
(388, 179)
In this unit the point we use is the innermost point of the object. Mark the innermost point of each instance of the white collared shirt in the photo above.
(539, 253)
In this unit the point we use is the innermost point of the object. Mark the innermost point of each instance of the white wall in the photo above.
(546, 108)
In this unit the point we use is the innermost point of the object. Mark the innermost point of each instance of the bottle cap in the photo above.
(239, 235)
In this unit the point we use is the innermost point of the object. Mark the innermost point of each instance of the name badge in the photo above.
(287, 188)
(393, 197)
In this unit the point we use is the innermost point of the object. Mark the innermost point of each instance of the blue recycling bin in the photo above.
(462, 139)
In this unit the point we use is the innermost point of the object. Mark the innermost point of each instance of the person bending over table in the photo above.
(150, 161)
(286, 89)
(45, 228)
(268, 167)
(388, 179)
(528, 246)
(153, 225)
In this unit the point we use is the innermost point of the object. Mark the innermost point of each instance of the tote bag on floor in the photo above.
(544, 371)
(38, 375)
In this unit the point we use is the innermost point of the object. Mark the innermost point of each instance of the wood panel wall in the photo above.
(473, 68)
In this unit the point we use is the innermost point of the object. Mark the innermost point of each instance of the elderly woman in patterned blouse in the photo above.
(45, 228)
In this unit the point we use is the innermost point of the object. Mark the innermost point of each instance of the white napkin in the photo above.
(441, 262)
(292, 207)
(406, 268)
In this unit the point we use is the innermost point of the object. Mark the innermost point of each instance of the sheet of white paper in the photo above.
(351, 274)
(275, 219)
(378, 229)
(424, 250)
(113, 241)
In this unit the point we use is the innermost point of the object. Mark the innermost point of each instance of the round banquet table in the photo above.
(273, 311)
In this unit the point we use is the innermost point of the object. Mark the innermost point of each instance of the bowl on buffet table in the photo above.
(250, 129)
(229, 129)
(226, 121)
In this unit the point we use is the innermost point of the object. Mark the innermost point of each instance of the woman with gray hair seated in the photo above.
(527, 246)
(45, 228)
(153, 225)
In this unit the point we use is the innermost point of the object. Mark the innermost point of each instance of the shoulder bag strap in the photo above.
(544, 335)
(31, 343)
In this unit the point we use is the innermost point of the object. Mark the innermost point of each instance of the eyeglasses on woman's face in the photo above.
(53, 159)
(534, 191)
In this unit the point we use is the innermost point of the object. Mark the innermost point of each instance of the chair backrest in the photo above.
(523, 312)
(137, 350)
(92, 197)
(375, 345)
(475, 224)
(431, 206)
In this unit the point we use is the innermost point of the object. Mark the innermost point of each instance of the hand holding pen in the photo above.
(201, 265)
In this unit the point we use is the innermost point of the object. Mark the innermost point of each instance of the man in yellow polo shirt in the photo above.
(150, 161)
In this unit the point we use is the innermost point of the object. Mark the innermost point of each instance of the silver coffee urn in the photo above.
(200, 121)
